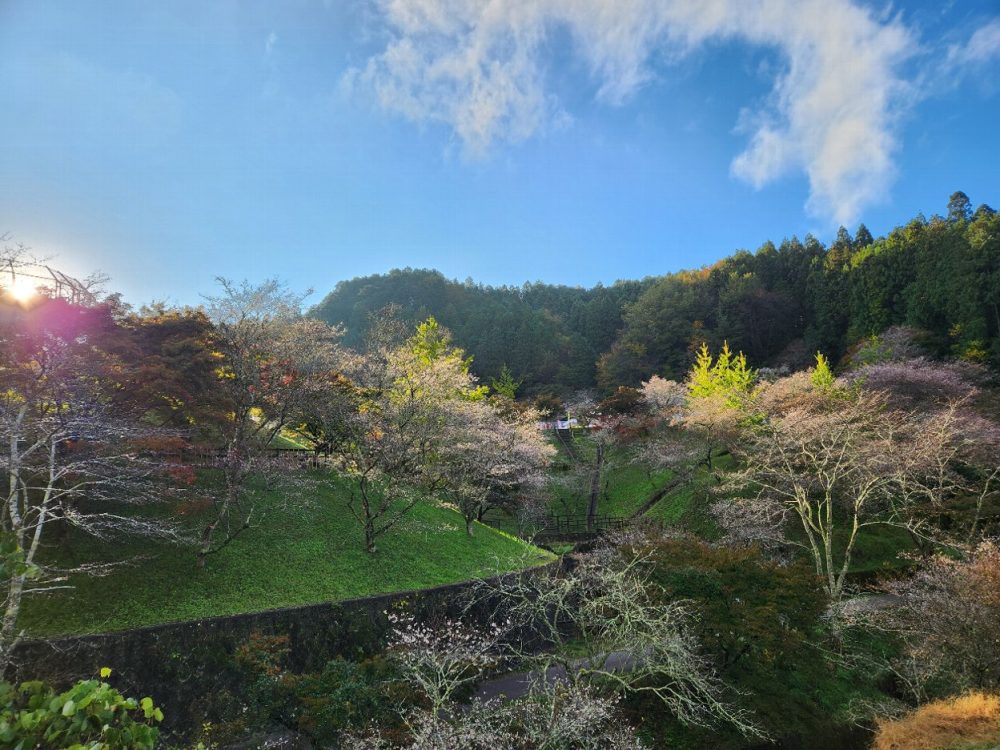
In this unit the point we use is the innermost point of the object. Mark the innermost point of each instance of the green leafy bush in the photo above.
(348, 695)
(344, 696)
(761, 624)
(91, 715)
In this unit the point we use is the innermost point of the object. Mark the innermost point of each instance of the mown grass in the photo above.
(687, 506)
(674, 507)
(625, 483)
(288, 441)
(309, 551)
(880, 548)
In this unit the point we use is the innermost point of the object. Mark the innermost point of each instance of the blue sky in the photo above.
(569, 141)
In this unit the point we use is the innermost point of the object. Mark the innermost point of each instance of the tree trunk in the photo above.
(595, 487)
(369, 536)
(208, 534)
(231, 472)
(8, 636)
(469, 522)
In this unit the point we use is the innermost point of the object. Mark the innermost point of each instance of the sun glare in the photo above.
(23, 289)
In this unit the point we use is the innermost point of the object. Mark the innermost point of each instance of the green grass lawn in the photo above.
(878, 549)
(290, 439)
(629, 486)
(677, 507)
(625, 484)
(687, 505)
(309, 552)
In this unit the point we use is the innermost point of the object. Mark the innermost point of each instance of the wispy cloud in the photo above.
(479, 66)
(981, 48)
(272, 39)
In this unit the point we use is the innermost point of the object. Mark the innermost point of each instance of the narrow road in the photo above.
(518, 684)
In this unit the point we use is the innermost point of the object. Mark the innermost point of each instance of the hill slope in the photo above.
(301, 555)
(778, 305)
(547, 335)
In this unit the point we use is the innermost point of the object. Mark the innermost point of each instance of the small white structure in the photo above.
(559, 424)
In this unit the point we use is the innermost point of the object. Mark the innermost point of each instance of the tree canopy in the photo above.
(778, 305)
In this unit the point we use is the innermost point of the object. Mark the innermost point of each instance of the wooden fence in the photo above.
(580, 526)
(203, 456)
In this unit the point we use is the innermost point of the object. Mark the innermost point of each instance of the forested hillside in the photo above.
(546, 334)
(778, 305)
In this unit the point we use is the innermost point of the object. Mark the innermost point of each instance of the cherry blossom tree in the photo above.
(947, 617)
(73, 456)
(832, 464)
(624, 637)
(843, 458)
(665, 397)
(387, 420)
(550, 717)
(704, 415)
(274, 364)
(492, 455)
(442, 658)
(921, 383)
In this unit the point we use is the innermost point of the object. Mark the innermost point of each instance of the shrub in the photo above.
(348, 695)
(91, 715)
(345, 695)
(948, 618)
(760, 624)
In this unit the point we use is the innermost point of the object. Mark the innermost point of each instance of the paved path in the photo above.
(518, 684)
(859, 605)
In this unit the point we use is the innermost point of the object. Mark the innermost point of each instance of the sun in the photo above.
(23, 289)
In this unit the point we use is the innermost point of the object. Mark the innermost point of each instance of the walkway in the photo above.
(518, 684)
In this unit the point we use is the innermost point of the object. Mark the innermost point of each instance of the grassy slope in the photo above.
(967, 722)
(288, 440)
(292, 557)
(877, 549)
(688, 504)
(625, 485)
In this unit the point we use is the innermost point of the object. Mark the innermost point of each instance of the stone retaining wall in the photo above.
(183, 665)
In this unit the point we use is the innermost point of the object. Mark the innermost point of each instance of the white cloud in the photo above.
(272, 39)
(983, 47)
(479, 67)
